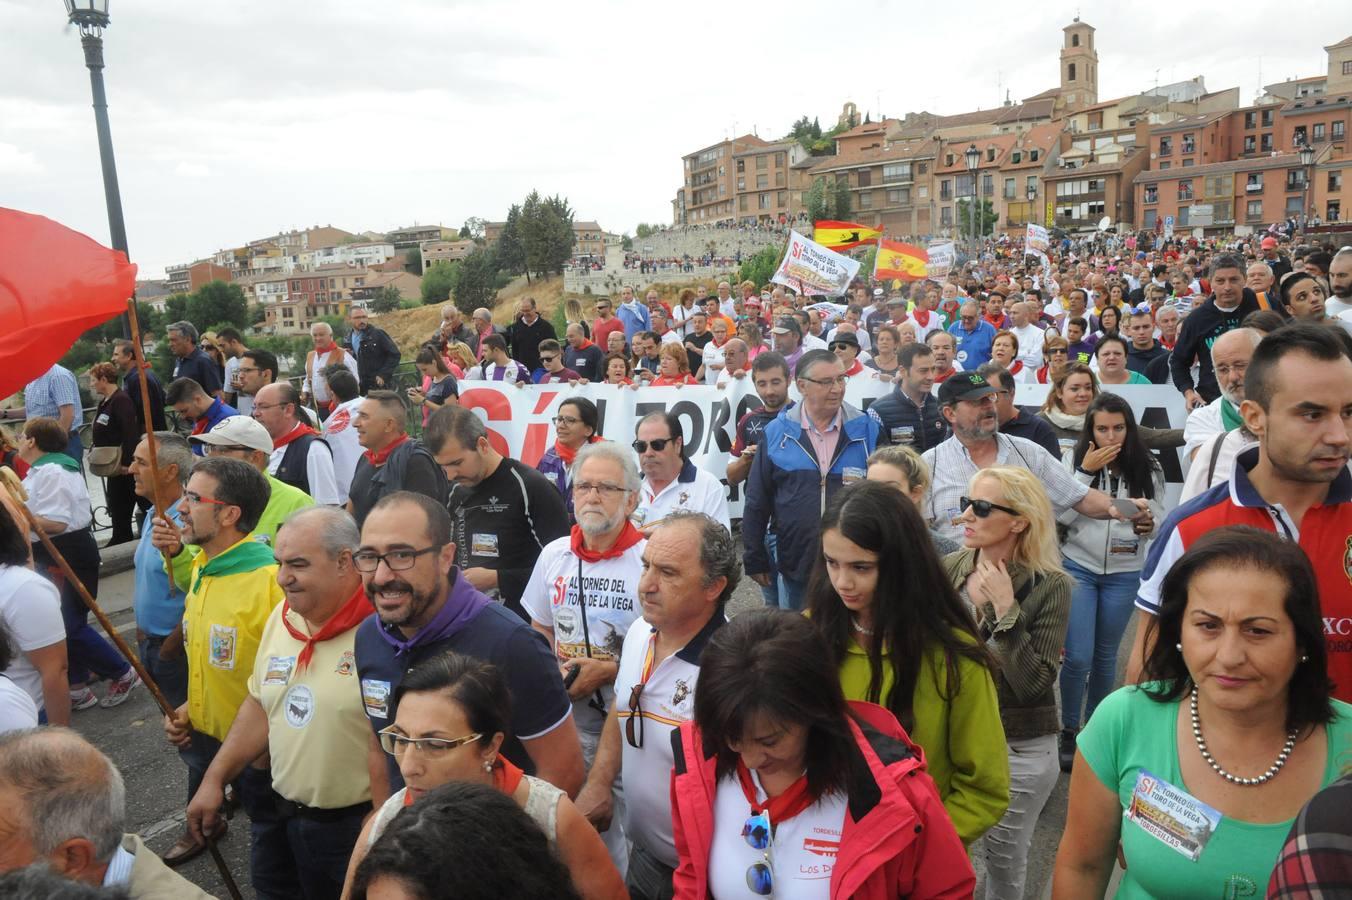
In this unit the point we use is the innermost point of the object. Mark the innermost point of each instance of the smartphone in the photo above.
(1128, 509)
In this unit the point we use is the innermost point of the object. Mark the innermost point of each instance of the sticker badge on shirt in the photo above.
(484, 545)
(903, 434)
(851, 474)
(278, 670)
(1123, 546)
(375, 696)
(1172, 815)
(300, 706)
(221, 647)
(103, 419)
(347, 664)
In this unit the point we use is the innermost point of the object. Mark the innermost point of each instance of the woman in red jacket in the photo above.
(781, 787)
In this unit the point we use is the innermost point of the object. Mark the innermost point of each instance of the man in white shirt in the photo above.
(735, 362)
(300, 457)
(1230, 357)
(670, 481)
(315, 386)
(1029, 335)
(30, 610)
(340, 432)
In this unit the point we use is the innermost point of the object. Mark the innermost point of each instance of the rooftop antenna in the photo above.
(999, 85)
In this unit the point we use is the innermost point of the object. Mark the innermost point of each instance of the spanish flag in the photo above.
(898, 260)
(843, 235)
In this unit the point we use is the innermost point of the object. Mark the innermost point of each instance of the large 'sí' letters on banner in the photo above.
(520, 422)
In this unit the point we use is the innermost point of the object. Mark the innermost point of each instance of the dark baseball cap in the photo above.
(785, 325)
(964, 386)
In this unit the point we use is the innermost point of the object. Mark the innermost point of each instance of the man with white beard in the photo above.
(600, 561)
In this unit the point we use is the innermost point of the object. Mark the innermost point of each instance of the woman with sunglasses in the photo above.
(673, 367)
(1056, 352)
(1104, 557)
(899, 636)
(451, 714)
(1010, 573)
(575, 427)
(782, 788)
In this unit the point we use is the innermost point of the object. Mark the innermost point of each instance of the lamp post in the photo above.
(1307, 163)
(1032, 203)
(91, 16)
(973, 158)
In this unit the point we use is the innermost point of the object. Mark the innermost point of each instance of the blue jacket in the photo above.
(786, 491)
(635, 318)
(974, 347)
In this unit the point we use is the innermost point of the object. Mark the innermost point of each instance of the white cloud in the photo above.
(191, 170)
(14, 161)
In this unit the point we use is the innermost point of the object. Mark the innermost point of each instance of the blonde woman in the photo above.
(573, 315)
(459, 357)
(899, 466)
(1010, 573)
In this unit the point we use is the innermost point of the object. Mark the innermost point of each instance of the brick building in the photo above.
(710, 181)
(891, 184)
(762, 179)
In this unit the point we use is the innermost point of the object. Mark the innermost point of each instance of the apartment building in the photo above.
(762, 179)
(891, 184)
(710, 181)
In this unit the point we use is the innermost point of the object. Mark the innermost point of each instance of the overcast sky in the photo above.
(235, 120)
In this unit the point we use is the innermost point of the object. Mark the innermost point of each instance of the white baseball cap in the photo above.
(237, 431)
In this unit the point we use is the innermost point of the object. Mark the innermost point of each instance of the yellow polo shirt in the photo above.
(318, 733)
(223, 619)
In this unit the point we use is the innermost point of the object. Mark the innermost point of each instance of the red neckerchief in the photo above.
(378, 459)
(1166, 343)
(855, 368)
(1017, 367)
(790, 803)
(568, 454)
(349, 616)
(941, 377)
(299, 431)
(200, 425)
(628, 537)
(585, 344)
(1042, 374)
(921, 316)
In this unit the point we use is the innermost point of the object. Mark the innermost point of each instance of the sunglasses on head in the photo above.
(982, 508)
(658, 444)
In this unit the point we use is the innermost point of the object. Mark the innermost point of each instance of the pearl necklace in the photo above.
(867, 632)
(1216, 767)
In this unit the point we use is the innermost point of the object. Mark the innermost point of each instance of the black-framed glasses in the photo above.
(243, 369)
(982, 508)
(635, 712)
(548, 359)
(836, 381)
(759, 835)
(583, 488)
(395, 560)
(658, 444)
(396, 744)
(565, 420)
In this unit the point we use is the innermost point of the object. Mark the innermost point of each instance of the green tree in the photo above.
(985, 215)
(841, 197)
(546, 233)
(473, 228)
(464, 233)
(258, 315)
(626, 242)
(413, 261)
(477, 282)
(510, 250)
(386, 300)
(216, 302)
(759, 267)
(438, 282)
(83, 354)
(176, 308)
(820, 202)
(644, 229)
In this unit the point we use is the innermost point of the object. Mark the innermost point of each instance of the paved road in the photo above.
(156, 780)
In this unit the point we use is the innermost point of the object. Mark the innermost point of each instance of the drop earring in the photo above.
(1179, 646)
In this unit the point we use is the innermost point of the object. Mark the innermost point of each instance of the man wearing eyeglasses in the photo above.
(257, 369)
(690, 570)
(300, 457)
(425, 608)
(245, 439)
(303, 709)
(670, 481)
(581, 596)
(231, 592)
(504, 512)
(807, 453)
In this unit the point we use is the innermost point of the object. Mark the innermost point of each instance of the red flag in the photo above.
(55, 284)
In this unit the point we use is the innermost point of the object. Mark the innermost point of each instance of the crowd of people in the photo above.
(424, 668)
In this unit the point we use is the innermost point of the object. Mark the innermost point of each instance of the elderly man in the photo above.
(1022, 314)
(63, 804)
(735, 362)
(190, 361)
(1258, 278)
(453, 328)
(1339, 304)
(503, 511)
(424, 608)
(1014, 419)
(944, 347)
(581, 355)
(689, 571)
(633, 314)
(581, 594)
(1230, 356)
(974, 336)
(193, 404)
(968, 405)
(243, 438)
(808, 452)
(326, 353)
(231, 593)
(670, 481)
(300, 457)
(393, 461)
(376, 352)
(845, 345)
(526, 333)
(482, 323)
(304, 709)
(54, 394)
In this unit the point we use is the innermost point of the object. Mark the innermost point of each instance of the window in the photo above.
(965, 185)
(1151, 218)
(1185, 189)
(922, 168)
(1251, 120)
(1250, 143)
(1265, 143)
(1295, 179)
(1267, 118)
(1165, 165)
(741, 165)
(762, 161)
(1034, 154)
(779, 178)
(865, 177)
(1253, 210)
(1253, 184)
(1189, 143)
(1166, 146)
(1009, 188)
(1298, 137)
(924, 191)
(741, 184)
(1074, 40)
(1337, 130)
(948, 159)
(1182, 218)
(987, 184)
(945, 190)
(1016, 156)
(1335, 181)
(990, 154)
(897, 172)
(1187, 163)
(1318, 132)
(866, 200)
(1095, 121)
(762, 181)
(1334, 211)
(1070, 72)
(780, 159)
(899, 196)
(1030, 184)
(946, 216)
(1293, 206)
(782, 198)
(763, 201)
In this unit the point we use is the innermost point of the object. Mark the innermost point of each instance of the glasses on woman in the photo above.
(396, 744)
(396, 560)
(983, 508)
(760, 878)
(566, 420)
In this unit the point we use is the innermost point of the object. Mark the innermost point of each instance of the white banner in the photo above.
(520, 419)
(941, 259)
(814, 271)
(1037, 238)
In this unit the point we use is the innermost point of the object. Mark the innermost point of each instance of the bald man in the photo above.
(1230, 357)
(63, 804)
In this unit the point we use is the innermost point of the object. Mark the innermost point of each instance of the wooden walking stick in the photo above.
(151, 451)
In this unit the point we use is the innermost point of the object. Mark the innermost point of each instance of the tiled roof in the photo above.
(899, 150)
(1280, 161)
(1101, 168)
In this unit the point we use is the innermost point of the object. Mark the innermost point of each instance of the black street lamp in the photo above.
(1032, 203)
(1307, 162)
(91, 16)
(973, 158)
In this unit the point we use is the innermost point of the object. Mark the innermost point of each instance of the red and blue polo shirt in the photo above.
(1325, 535)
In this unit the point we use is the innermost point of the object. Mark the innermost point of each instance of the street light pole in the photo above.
(91, 16)
(973, 158)
(1307, 163)
(1032, 204)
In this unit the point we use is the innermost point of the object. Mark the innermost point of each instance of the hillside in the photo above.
(410, 327)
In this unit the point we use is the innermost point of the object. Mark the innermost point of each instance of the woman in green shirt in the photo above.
(903, 639)
(1199, 771)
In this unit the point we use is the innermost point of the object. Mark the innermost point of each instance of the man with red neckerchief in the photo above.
(300, 457)
(392, 461)
(326, 353)
(603, 555)
(304, 709)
